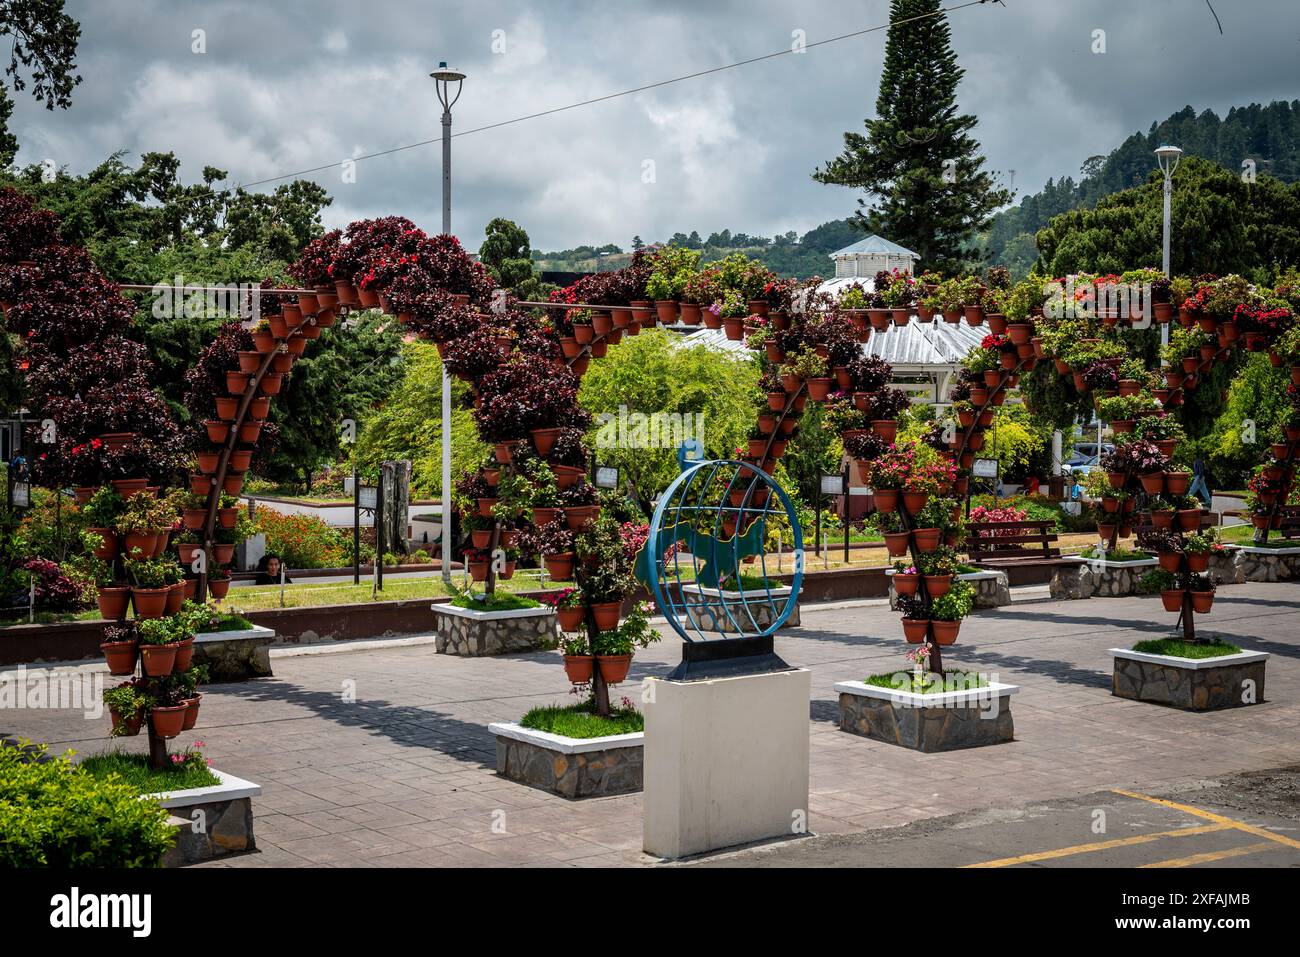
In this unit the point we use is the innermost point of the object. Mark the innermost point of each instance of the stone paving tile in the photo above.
(405, 774)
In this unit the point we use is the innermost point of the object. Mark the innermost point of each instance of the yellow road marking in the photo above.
(1209, 856)
(1211, 816)
(1100, 846)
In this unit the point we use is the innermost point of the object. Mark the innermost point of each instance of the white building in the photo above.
(869, 256)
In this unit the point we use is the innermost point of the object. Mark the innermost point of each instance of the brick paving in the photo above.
(404, 774)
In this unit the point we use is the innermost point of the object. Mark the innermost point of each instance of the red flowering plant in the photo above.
(449, 267)
(778, 293)
(522, 395)
(891, 469)
(704, 288)
(889, 404)
(835, 332)
(312, 267)
(55, 591)
(999, 514)
(865, 446)
(869, 373)
(367, 239)
(564, 598)
(26, 227)
(1139, 457)
(473, 355)
(1268, 320)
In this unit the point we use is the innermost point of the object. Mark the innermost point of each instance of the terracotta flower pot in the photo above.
(478, 571)
(544, 440)
(126, 727)
(1153, 483)
(271, 383)
(887, 429)
(570, 619)
(1162, 518)
(915, 501)
(1170, 561)
(735, 330)
(175, 597)
(265, 342)
(1189, 519)
(158, 660)
(149, 602)
(945, 632)
(578, 668)
(194, 518)
(1117, 479)
(168, 722)
(234, 482)
(112, 602)
(236, 383)
(250, 362)
(184, 654)
(666, 311)
(914, 630)
(606, 615)
(927, 539)
(107, 548)
(1202, 601)
(560, 567)
(218, 588)
(896, 543)
(544, 515)
(191, 712)
(1198, 561)
(885, 499)
(227, 517)
(614, 668)
(121, 656)
(578, 516)
(936, 586)
(222, 554)
(906, 584)
(146, 542)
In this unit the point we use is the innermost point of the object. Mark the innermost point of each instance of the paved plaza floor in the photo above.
(379, 755)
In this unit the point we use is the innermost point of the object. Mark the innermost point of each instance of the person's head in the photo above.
(271, 564)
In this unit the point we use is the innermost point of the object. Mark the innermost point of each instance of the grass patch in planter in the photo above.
(930, 684)
(134, 771)
(580, 721)
(1115, 555)
(500, 602)
(1182, 649)
(228, 623)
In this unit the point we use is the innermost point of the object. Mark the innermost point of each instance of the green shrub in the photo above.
(55, 814)
(302, 541)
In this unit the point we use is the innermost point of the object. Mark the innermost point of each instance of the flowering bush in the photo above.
(301, 541)
(1002, 513)
(55, 591)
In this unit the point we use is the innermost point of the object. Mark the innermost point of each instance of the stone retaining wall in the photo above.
(585, 774)
(927, 728)
(493, 633)
(211, 829)
(1188, 688)
(1267, 565)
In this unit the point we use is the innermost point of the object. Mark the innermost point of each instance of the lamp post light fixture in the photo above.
(443, 78)
(1168, 157)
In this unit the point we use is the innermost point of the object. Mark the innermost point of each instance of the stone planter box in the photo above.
(570, 767)
(1193, 684)
(1098, 578)
(235, 655)
(464, 631)
(943, 721)
(991, 589)
(1267, 564)
(710, 608)
(213, 821)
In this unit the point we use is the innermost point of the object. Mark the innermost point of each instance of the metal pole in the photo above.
(445, 504)
(356, 526)
(1169, 191)
(379, 532)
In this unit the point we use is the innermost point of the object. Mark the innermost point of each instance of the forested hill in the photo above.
(1268, 135)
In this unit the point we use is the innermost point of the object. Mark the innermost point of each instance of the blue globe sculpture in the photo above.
(707, 535)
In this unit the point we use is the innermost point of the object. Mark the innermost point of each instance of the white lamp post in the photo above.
(443, 78)
(1168, 157)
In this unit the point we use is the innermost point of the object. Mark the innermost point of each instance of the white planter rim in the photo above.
(257, 631)
(912, 699)
(1256, 550)
(563, 744)
(1195, 664)
(979, 576)
(476, 615)
(1135, 563)
(231, 788)
(781, 592)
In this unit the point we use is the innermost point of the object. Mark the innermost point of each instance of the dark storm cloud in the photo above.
(293, 85)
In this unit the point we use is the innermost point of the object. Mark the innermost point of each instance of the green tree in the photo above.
(409, 424)
(1219, 224)
(340, 376)
(653, 373)
(43, 49)
(927, 188)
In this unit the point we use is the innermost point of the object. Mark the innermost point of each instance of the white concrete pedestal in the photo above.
(726, 762)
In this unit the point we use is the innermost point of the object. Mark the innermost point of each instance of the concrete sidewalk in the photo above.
(381, 756)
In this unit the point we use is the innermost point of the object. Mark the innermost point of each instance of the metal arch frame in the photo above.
(672, 609)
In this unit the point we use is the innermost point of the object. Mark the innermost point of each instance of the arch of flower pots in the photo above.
(1156, 481)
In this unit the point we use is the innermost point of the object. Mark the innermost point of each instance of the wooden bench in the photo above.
(998, 544)
(1290, 527)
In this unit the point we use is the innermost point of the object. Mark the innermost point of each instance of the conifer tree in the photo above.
(927, 187)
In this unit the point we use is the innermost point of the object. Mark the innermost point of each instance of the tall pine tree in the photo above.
(927, 186)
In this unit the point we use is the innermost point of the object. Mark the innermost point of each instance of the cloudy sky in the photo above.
(286, 86)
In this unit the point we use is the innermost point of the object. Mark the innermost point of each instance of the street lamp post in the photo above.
(1168, 157)
(443, 78)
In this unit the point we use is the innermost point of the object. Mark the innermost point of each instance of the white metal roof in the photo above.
(917, 346)
(874, 245)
